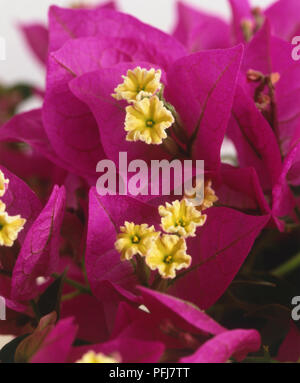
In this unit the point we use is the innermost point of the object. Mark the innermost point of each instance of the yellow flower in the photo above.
(147, 121)
(3, 183)
(138, 83)
(9, 227)
(168, 255)
(181, 218)
(135, 239)
(209, 196)
(92, 357)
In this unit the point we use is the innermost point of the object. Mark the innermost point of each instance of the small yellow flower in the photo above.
(135, 239)
(92, 357)
(181, 218)
(3, 184)
(168, 255)
(138, 83)
(9, 227)
(209, 196)
(147, 121)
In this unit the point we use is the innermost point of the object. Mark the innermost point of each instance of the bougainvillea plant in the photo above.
(92, 277)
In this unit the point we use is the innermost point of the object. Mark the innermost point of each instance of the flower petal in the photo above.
(39, 255)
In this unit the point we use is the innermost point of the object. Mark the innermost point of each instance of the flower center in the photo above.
(180, 222)
(168, 259)
(1, 226)
(135, 239)
(150, 123)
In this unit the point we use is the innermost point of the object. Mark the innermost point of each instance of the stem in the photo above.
(142, 270)
(160, 284)
(171, 147)
(35, 310)
(177, 127)
(156, 282)
(288, 267)
(174, 147)
(83, 289)
(274, 112)
(68, 297)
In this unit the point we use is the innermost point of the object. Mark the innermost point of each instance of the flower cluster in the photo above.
(165, 253)
(147, 119)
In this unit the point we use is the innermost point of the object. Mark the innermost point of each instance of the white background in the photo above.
(20, 65)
